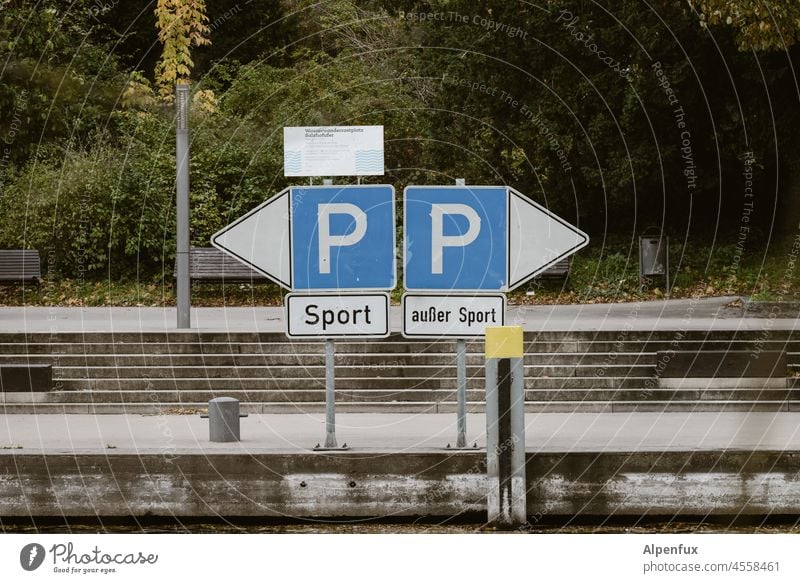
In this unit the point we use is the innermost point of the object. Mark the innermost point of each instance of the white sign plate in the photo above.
(337, 316)
(451, 316)
(333, 151)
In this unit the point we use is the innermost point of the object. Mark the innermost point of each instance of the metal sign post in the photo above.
(461, 394)
(461, 380)
(505, 427)
(330, 398)
(330, 386)
(182, 205)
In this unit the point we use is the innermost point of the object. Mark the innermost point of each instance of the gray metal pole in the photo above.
(330, 383)
(182, 205)
(461, 395)
(330, 396)
(461, 379)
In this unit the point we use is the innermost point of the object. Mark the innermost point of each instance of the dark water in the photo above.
(129, 526)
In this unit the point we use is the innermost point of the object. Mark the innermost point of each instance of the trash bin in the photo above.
(653, 257)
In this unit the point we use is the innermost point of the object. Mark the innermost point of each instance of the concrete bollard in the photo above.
(505, 427)
(223, 419)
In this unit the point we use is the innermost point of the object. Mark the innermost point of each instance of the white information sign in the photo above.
(456, 316)
(333, 151)
(337, 316)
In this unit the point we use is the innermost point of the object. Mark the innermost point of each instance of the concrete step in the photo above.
(288, 348)
(648, 395)
(201, 407)
(397, 384)
(318, 371)
(716, 406)
(418, 395)
(256, 396)
(400, 407)
(366, 359)
(380, 347)
(587, 370)
(548, 336)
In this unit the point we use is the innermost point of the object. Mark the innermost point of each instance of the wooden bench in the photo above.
(210, 265)
(559, 270)
(20, 266)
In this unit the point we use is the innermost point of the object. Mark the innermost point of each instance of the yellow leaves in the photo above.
(759, 26)
(204, 100)
(137, 92)
(181, 24)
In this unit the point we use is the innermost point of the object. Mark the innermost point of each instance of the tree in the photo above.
(761, 25)
(181, 24)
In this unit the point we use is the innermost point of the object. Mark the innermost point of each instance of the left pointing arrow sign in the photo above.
(319, 238)
(262, 239)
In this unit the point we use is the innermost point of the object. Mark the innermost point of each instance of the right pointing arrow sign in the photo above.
(537, 239)
(480, 238)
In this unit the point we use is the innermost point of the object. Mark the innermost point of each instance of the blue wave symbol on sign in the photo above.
(369, 161)
(293, 161)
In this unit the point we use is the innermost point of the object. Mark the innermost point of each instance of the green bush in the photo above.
(109, 209)
(91, 211)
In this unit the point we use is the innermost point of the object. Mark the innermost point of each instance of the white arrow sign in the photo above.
(319, 238)
(480, 238)
(262, 239)
(537, 239)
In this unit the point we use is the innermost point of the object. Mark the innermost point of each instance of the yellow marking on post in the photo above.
(504, 342)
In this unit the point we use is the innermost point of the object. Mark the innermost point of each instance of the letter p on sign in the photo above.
(326, 240)
(455, 238)
(439, 240)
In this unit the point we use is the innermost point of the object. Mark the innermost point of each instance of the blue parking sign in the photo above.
(343, 237)
(456, 238)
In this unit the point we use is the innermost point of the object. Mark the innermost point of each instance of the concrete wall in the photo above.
(356, 484)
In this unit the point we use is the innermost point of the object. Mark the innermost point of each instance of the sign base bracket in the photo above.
(318, 447)
(473, 447)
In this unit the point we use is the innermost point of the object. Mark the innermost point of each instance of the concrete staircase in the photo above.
(100, 372)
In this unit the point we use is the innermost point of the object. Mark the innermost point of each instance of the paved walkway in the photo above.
(548, 432)
(705, 314)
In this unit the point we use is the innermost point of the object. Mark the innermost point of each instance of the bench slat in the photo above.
(20, 265)
(559, 269)
(212, 265)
